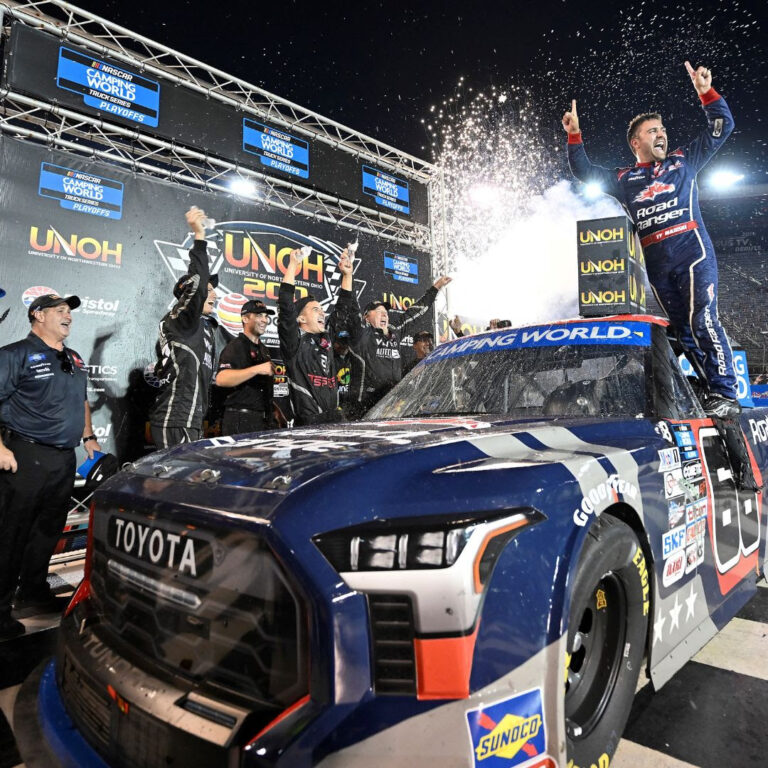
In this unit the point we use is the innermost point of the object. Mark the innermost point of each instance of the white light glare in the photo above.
(484, 195)
(724, 179)
(593, 190)
(243, 187)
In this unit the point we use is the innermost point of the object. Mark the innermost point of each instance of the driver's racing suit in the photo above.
(662, 200)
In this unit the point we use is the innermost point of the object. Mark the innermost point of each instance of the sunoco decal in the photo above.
(574, 334)
(508, 733)
(83, 192)
(108, 88)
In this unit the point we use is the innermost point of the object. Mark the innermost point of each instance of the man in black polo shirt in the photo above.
(44, 414)
(245, 369)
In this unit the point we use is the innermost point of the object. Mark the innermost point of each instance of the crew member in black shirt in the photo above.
(44, 414)
(245, 370)
(306, 343)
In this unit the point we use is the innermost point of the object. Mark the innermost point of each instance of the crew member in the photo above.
(342, 357)
(660, 195)
(423, 344)
(246, 372)
(306, 343)
(375, 348)
(186, 349)
(44, 415)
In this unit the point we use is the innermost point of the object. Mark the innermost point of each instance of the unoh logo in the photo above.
(508, 733)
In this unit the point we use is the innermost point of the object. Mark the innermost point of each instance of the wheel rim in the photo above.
(595, 647)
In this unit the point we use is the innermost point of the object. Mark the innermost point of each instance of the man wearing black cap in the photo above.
(186, 349)
(44, 414)
(375, 349)
(306, 343)
(245, 370)
(423, 344)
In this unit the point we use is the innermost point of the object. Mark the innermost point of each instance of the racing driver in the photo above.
(660, 194)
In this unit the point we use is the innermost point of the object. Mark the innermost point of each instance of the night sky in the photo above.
(380, 66)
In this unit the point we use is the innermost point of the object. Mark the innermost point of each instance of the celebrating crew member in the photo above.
(306, 343)
(186, 349)
(661, 196)
(375, 348)
(423, 344)
(44, 415)
(246, 372)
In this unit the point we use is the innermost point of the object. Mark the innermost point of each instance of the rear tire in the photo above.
(607, 629)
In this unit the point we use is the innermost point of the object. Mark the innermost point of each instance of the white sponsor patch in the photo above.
(669, 458)
(674, 568)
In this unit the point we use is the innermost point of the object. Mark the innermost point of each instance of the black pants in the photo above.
(235, 422)
(168, 437)
(34, 502)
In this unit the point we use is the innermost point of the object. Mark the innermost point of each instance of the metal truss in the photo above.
(107, 39)
(55, 126)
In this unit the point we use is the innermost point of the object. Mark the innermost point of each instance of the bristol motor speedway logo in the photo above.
(34, 292)
(251, 257)
(652, 191)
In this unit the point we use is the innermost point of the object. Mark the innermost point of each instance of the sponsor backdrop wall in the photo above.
(73, 226)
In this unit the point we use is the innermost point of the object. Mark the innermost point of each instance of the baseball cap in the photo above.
(423, 336)
(256, 307)
(51, 300)
(181, 283)
(373, 304)
(342, 335)
(299, 304)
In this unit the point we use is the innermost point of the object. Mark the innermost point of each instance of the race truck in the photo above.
(473, 576)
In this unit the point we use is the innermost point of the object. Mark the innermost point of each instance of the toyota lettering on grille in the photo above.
(155, 545)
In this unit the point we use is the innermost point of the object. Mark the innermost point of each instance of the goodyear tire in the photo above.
(607, 628)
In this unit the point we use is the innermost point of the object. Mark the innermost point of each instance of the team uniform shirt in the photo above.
(187, 350)
(376, 362)
(662, 200)
(309, 358)
(39, 399)
(256, 393)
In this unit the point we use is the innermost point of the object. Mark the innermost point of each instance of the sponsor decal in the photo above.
(276, 149)
(695, 530)
(696, 510)
(669, 458)
(717, 127)
(602, 266)
(672, 541)
(404, 269)
(674, 568)
(694, 555)
(602, 297)
(676, 512)
(606, 235)
(82, 192)
(660, 213)
(109, 89)
(652, 191)
(508, 733)
(176, 551)
(600, 496)
(684, 439)
(387, 190)
(759, 430)
(692, 469)
(672, 483)
(629, 333)
(74, 247)
(639, 560)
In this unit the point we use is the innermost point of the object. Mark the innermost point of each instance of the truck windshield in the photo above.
(528, 382)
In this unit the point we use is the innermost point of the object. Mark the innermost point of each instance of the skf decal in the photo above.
(508, 733)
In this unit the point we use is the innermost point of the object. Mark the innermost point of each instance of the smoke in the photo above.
(510, 225)
(528, 272)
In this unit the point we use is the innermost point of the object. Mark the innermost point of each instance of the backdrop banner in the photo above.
(70, 225)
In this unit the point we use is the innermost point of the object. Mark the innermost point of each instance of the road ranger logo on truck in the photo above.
(154, 545)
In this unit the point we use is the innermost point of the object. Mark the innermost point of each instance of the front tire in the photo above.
(607, 629)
